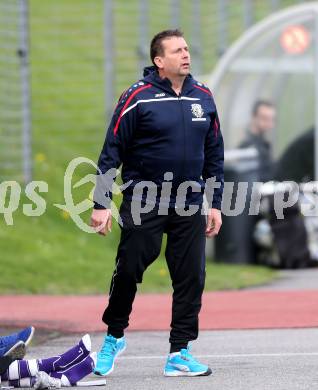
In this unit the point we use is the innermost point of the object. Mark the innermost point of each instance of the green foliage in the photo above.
(49, 254)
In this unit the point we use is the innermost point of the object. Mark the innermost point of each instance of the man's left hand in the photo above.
(214, 223)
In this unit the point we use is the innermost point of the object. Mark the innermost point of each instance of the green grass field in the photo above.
(49, 254)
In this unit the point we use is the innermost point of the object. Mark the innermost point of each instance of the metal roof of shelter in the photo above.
(276, 59)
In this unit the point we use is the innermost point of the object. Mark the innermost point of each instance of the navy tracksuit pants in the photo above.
(185, 254)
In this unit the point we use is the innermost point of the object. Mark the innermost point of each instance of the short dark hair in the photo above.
(259, 103)
(156, 48)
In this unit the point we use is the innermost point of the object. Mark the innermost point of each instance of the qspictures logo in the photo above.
(237, 197)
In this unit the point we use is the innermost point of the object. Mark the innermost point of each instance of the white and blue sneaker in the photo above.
(111, 348)
(184, 364)
(15, 341)
(12, 352)
(26, 335)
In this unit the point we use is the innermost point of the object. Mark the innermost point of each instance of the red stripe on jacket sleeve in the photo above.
(204, 90)
(216, 127)
(127, 103)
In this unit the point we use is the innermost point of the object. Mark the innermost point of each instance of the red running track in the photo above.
(221, 310)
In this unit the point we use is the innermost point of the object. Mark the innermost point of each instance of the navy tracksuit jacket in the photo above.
(153, 130)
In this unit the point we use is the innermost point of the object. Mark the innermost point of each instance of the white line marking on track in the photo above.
(235, 355)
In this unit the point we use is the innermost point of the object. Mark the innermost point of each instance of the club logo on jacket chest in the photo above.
(197, 112)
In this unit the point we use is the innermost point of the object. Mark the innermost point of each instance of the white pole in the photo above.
(316, 93)
(109, 57)
(23, 52)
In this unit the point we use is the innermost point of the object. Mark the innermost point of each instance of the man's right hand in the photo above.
(101, 221)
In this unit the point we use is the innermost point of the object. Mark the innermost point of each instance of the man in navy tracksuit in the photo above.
(166, 134)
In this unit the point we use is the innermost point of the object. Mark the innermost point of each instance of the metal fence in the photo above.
(15, 122)
(77, 56)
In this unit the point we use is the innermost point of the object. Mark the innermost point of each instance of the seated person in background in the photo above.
(297, 161)
(262, 123)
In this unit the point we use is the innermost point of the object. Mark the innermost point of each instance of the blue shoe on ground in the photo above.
(184, 364)
(111, 348)
(13, 346)
(25, 335)
(10, 343)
